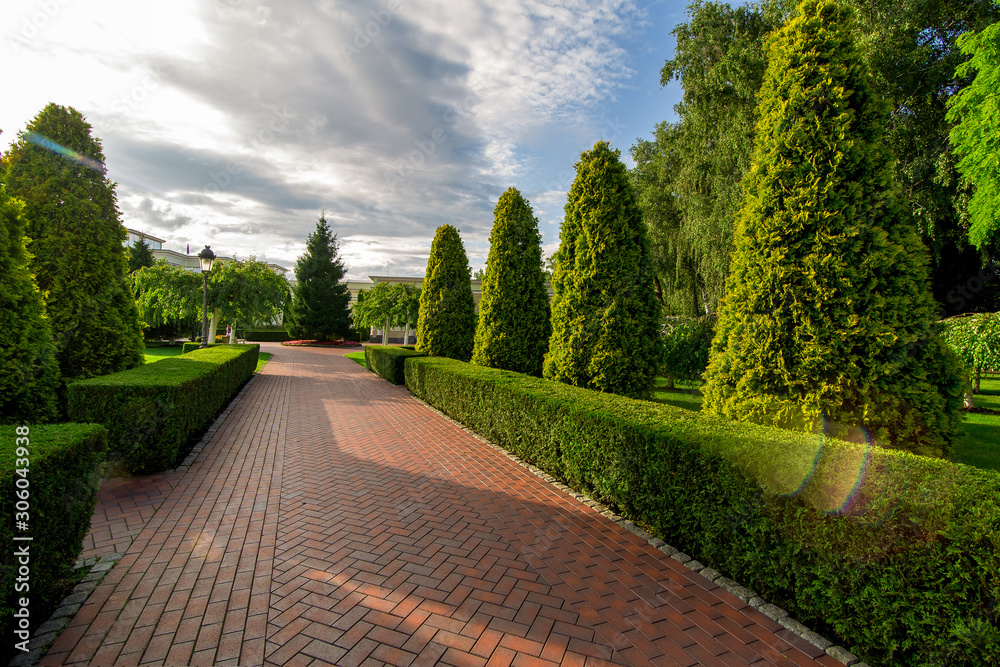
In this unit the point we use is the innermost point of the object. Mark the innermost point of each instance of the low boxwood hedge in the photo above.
(153, 412)
(268, 336)
(896, 556)
(55, 478)
(388, 360)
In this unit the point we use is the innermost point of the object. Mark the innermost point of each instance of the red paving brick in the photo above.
(334, 519)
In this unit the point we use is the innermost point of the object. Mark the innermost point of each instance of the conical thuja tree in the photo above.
(28, 371)
(828, 321)
(320, 306)
(446, 323)
(605, 312)
(513, 328)
(76, 242)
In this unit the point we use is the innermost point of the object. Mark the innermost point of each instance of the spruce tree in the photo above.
(320, 306)
(446, 323)
(139, 255)
(29, 374)
(76, 242)
(605, 314)
(828, 319)
(513, 329)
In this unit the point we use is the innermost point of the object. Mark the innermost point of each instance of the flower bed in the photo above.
(316, 343)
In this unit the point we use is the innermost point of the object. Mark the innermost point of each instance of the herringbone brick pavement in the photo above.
(334, 519)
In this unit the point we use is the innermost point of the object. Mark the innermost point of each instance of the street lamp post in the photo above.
(206, 257)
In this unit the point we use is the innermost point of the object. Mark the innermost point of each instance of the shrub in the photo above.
(63, 480)
(828, 322)
(896, 555)
(388, 360)
(191, 347)
(29, 373)
(686, 345)
(605, 312)
(513, 328)
(446, 324)
(153, 412)
(269, 336)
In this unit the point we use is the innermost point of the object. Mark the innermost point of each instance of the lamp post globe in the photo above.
(206, 257)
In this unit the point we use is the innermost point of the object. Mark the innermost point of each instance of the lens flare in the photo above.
(67, 153)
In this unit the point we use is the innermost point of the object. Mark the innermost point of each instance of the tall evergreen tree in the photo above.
(605, 313)
(446, 323)
(76, 241)
(513, 329)
(320, 307)
(29, 374)
(139, 255)
(827, 319)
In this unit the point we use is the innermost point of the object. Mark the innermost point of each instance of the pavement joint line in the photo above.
(773, 612)
(99, 566)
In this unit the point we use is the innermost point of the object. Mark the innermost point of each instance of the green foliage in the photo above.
(320, 306)
(389, 361)
(513, 328)
(976, 341)
(686, 345)
(827, 322)
(267, 336)
(166, 294)
(63, 478)
(139, 255)
(192, 346)
(387, 305)
(75, 241)
(29, 374)
(153, 413)
(247, 293)
(893, 556)
(689, 177)
(976, 135)
(605, 314)
(446, 323)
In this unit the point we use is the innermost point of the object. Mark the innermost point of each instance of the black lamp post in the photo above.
(207, 257)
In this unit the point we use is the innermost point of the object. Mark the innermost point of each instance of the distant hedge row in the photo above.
(896, 555)
(153, 411)
(388, 360)
(54, 475)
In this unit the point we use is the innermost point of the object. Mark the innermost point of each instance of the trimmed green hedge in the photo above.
(63, 478)
(896, 555)
(268, 336)
(388, 360)
(153, 412)
(191, 347)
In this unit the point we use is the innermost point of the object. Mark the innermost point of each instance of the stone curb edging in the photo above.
(49, 631)
(773, 612)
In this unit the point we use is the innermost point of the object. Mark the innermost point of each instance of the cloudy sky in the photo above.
(236, 122)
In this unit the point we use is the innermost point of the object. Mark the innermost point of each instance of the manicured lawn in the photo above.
(358, 357)
(162, 352)
(980, 447)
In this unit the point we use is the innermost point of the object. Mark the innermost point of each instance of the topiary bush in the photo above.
(513, 328)
(56, 467)
(605, 313)
(388, 360)
(893, 555)
(446, 323)
(828, 322)
(153, 413)
(29, 374)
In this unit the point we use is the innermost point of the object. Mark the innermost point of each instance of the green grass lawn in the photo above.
(358, 357)
(159, 352)
(162, 352)
(980, 447)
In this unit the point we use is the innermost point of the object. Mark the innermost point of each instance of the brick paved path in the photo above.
(335, 519)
